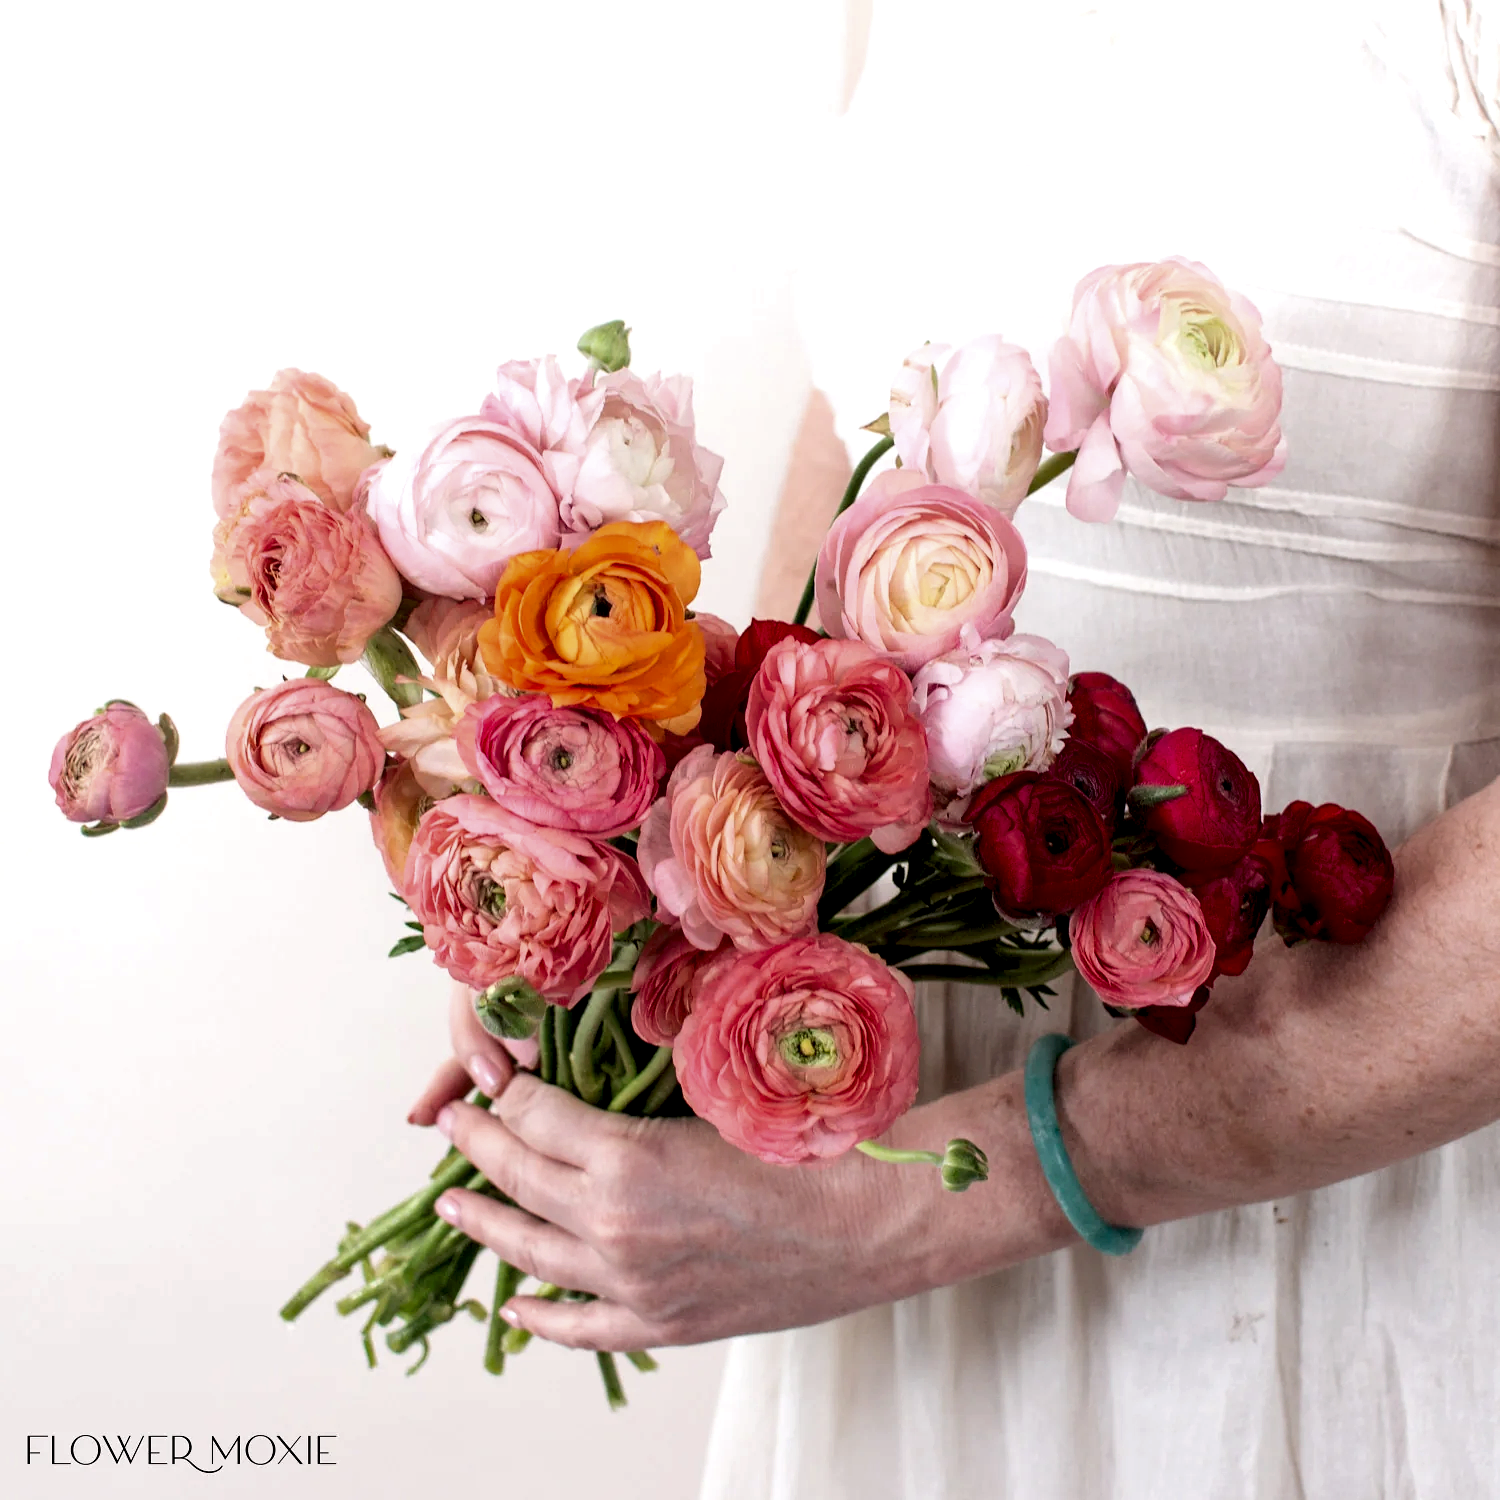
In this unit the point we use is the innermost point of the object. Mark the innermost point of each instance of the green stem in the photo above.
(562, 1024)
(616, 1033)
(199, 773)
(919, 899)
(507, 1280)
(587, 1084)
(1051, 967)
(851, 874)
(663, 1090)
(641, 1360)
(388, 657)
(547, 1042)
(851, 493)
(890, 1153)
(955, 935)
(660, 1062)
(1049, 469)
(610, 1372)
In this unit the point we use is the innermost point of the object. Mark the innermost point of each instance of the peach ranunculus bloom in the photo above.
(971, 417)
(910, 564)
(304, 426)
(400, 801)
(604, 625)
(1163, 374)
(798, 1052)
(724, 859)
(303, 748)
(666, 979)
(1142, 940)
(500, 898)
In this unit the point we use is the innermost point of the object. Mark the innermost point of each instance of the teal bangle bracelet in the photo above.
(1041, 1113)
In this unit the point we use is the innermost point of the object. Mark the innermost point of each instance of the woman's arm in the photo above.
(1320, 1064)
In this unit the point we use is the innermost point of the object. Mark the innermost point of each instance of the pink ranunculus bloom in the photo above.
(111, 767)
(798, 1052)
(318, 581)
(971, 417)
(666, 978)
(719, 640)
(304, 426)
(574, 768)
(1163, 374)
(911, 563)
(552, 414)
(498, 898)
(456, 508)
(723, 858)
(989, 709)
(832, 727)
(303, 748)
(1142, 940)
(642, 461)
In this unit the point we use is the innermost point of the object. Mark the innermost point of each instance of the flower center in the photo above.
(478, 520)
(489, 897)
(602, 606)
(810, 1047)
(561, 760)
(1209, 341)
(1150, 934)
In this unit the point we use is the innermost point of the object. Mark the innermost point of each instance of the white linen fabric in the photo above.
(1338, 628)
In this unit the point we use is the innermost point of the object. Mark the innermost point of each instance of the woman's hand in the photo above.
(478, 1061)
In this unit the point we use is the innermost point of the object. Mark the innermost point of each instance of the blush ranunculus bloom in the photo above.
(400, 801)
(303, 748)
(798, 1052)
(1163, 374)
(832, 727)
(1143, 940)
(988, 709)
(604, 625)
(500, 898)
(911, 563)
(971, 417)
(573, 768)
(454, 510)
(724, 859)
(304, 426)
(111, 767)
(446, 632)
(641, 461)
(666, 979)
(551, 414)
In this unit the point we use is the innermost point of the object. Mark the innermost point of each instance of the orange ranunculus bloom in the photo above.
(604, 625)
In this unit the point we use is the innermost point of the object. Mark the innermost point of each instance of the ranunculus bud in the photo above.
(723, 721)
(607, 344)
(1105, 716)
(971, 417)
(1234, 904)
(303, 748)
(110, 768)
(1142, 940)
(963, 1165)
(1341, 873)
(1214, 825)
(1042, 844)
(1087, 769)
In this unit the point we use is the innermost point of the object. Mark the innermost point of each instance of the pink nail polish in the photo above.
(485, 1074)
(447, 1209)
(509, 1314)
(445, 1121)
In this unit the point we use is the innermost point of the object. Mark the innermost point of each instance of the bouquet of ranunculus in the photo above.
(680, 867)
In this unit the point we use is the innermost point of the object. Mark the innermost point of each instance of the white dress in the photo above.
(1339, 629)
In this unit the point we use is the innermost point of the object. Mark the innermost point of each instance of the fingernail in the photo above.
(447, 1209)
(445, 1121)
(411, 1119)
(510, 1315)
(484, 1073)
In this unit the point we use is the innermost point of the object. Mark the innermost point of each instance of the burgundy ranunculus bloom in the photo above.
(723, 721)
(1089, 770)
(1214, 825)
(1339, 873)
(1105, 716)
(1042, 844)
(1235, 904)
(1175, 1022)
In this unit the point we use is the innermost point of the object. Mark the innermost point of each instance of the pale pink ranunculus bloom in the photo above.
(111, 767)
(1142, 940)
(991, 708)
(575, 768)
(798, 1052)
(971, 417)
(724, 859)
(832, 727)
(303, 748)
(500, 898)
(666, 978)
(1163, 374)
(446, 632)
(304, 426)
(552, 414)
(454, 509)
(641, 461)
(911, 563)
(317, 580)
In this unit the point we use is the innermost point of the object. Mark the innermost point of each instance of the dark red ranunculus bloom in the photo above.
(1089, 770)
(1339, 873)
(1214, 825)
(1041, 843)
(1234, 905)
(1105, 716)
(723, 721)
(1175, 1022)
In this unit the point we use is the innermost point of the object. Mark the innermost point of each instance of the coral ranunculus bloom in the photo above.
(604, 625)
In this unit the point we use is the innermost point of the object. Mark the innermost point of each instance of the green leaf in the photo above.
(415, 926)
(411, 944)
(323, 674)
(1144, 797)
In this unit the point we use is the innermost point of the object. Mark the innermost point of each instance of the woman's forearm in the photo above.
(1319, 1064)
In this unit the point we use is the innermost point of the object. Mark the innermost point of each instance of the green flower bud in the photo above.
(954, 853)
(963, 1163)
(608, 345)
(510, 1009)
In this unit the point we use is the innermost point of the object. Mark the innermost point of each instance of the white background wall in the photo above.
(207, 1058)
